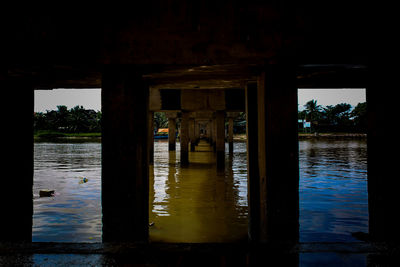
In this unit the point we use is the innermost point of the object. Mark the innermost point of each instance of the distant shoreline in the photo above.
(318, 136)
(236, 137)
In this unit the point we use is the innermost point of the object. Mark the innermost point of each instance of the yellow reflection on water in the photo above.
(198, 203)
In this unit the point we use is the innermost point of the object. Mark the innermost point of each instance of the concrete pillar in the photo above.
(253, 178)
(171, 134)
(16, 181)
(210, 132)
(184, 138)
(220, 138)
(125, 166)
(383, 145)
(197, 129)
(192, 134)
(214, 130)
(278, 154)
(151, 137)
(230, 135)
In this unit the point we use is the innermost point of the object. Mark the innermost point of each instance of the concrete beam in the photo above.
(194, 100)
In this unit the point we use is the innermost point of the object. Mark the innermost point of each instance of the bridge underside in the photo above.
(267, 51)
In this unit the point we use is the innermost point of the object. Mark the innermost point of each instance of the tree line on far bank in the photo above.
(64, 120)
(338, 118)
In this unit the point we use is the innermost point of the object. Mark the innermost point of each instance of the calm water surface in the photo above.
(199, 204)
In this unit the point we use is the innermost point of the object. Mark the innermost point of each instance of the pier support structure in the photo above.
(220, 138)
(278, 154)
(383, 182)
(171, 130)
(17, 162)
(184, 138)
(125, 166)
(151, 137)
(230, 134)
(192, 134)
(253, 178)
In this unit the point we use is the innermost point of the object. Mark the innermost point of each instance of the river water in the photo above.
(199, 204)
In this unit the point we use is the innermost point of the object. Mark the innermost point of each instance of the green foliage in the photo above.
(338, 118)
(160, 120)
(62, 120)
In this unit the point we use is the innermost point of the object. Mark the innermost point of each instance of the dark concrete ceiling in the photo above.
(187, 44)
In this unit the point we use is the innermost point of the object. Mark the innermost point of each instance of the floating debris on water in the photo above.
(83, 180)
(151, 224)
(46, 193)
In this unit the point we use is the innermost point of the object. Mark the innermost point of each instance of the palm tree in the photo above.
(312, 109)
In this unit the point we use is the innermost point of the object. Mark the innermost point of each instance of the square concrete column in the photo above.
(278, 154)
(220, 138)
(197, 130)
(171, 134)
(230, 135)
(151, 137)
(214, 130)
(185, 138)
(383, 160)
(253, 178)
(125, 161)
(210, 132)
(192, 135)
(16, 205)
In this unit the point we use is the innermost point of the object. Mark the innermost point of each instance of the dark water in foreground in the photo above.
(199, 204)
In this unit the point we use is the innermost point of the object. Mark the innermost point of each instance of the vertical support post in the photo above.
(230, 134)
(151, 137)
(278, 154)
(192, 135)
(16, 211)
(125, 166)
(197, 129)
(383, 141)
(171, 134)
(184, 138)
(220, 140)
(214, 130)
(210, 132)
(253, 178)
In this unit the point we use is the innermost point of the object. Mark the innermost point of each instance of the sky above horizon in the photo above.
(91, 98)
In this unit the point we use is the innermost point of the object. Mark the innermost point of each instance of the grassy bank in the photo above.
(55, 134)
